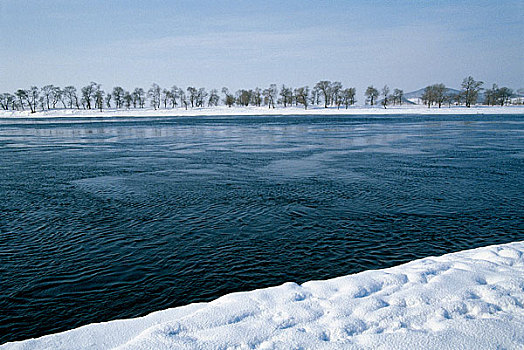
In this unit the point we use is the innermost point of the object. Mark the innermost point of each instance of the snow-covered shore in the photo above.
(223, 110)
(467, 300)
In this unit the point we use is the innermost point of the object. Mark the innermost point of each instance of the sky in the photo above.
(405, 44)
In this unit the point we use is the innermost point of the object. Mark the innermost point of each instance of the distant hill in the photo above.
(418, 93)
(416, 96)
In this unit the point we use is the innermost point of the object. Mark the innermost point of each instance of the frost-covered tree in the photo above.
(371, 94)
(470, 90)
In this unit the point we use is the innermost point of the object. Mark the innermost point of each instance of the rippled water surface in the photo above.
(112, 218)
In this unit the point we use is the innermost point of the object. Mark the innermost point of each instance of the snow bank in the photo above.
(467, 300)
(223, 110)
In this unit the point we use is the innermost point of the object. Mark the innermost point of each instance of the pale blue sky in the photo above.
(243, 44)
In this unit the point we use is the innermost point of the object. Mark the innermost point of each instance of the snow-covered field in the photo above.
(467, 300)
(223, 110)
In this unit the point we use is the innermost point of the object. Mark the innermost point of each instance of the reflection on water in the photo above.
(105, 218)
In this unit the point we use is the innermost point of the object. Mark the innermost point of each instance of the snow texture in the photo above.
(223, 110)
(467, 300)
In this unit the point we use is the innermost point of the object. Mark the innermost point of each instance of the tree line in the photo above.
(438, 94)
(324, 93)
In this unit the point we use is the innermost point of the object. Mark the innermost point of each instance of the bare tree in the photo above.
(166, 97)
(385, 96)
(459, 98)
(47, 95)
(118, 96)
(175, 92)
(270, 94)
(154, 95)
(183, 98)
(201, 97)
(71, 96)
(504, 95)
(428, 97)
(287, 96)
(192, 92)
(397, 96)
(302, 96)
(471, 89)
(22, 96)
(371, 94)
(348, 96)
(243, 97)
(257, 97)
(439, 94)
(213, 98)
(229, 99)
(57, 96)
(324, 87)
(128, 99)
(490, 95)
(336, 89)
(139, 97)
(88, 94)
(31, 96)
(99, 97)
(6, 99)
(315, 95)
(108, 100)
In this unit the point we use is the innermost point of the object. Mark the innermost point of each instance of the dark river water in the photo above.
(102, 219)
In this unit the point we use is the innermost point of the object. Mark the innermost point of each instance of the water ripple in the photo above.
(104, 219)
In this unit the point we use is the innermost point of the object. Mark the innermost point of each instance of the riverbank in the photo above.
(471, 299)
(223, 110)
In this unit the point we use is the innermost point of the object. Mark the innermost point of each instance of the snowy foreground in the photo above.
(223, 110)
(467, 300)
